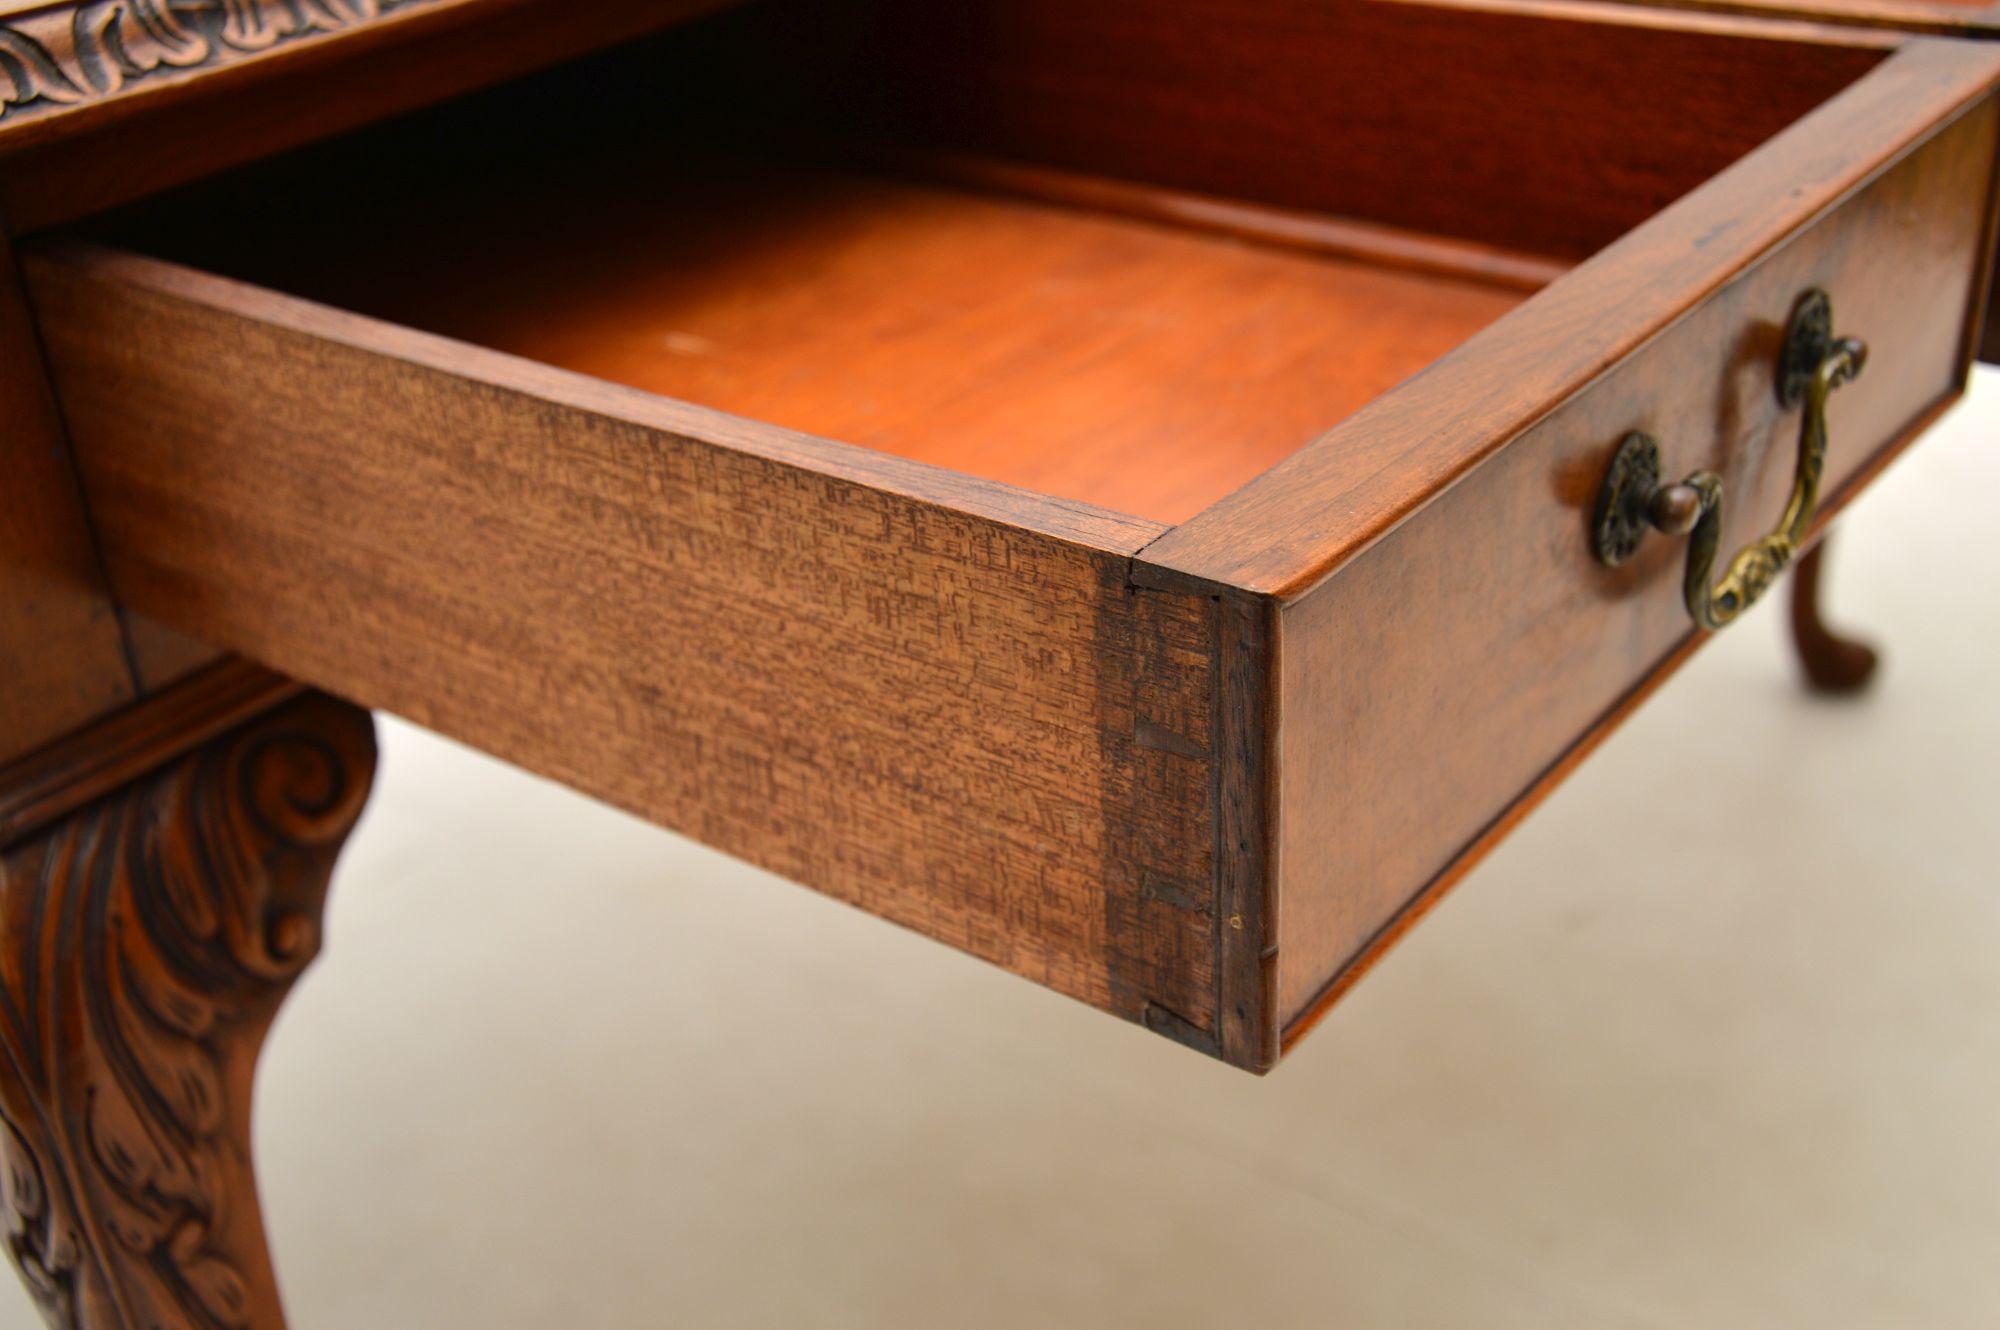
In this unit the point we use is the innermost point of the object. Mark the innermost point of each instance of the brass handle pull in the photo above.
(1811, 364)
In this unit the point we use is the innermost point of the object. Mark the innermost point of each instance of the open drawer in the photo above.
(1114, 487)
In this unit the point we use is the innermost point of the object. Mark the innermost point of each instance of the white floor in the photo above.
(1712, 1041)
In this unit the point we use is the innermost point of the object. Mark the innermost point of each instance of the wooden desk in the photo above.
(1125, 491)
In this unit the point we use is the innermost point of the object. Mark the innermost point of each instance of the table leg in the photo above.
(1833, 663)
(148, 933)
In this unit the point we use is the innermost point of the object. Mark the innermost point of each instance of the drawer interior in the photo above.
(1126, 259)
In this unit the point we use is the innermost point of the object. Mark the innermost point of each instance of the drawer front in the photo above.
(1459, 661)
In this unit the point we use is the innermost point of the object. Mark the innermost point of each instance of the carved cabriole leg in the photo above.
(1833, 663)
(148, 933)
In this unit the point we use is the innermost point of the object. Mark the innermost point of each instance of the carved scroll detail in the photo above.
(69, 53)
(148, 940)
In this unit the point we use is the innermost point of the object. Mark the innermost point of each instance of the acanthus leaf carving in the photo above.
(77, 51)
(148, 939)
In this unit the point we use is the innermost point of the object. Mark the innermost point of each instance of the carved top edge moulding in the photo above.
(60, 56)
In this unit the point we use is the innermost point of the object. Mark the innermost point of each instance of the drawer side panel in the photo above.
(923, 710)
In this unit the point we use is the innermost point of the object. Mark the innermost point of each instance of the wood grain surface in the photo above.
(1955, 18)
(1437, 675)
(124, 744)
(1511, 126)
(1280, 228)
(1298, 522)
(1139, 367)
(1194, 775)
(934, 697)
(62, 653)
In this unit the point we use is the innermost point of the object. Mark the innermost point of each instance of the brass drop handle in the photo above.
(1811, 364)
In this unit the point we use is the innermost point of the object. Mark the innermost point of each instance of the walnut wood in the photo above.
(1504, 125)
(149, 936)
(1137, 367)
(1959, 18)
(90, 763)
(931, 696)
(1287, 228)
(160, 655)
(1238, 802)
(202, 105)
(1467, 125)
(1298, 522)
(62, 654)
(1832, 663)
(67, 652)
(1545, 784)
(968, 707)
(1493, 637)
